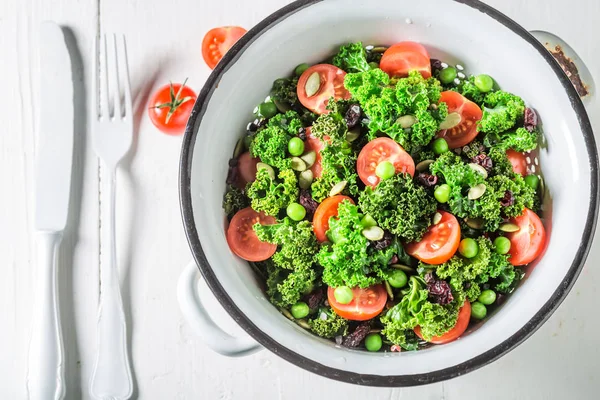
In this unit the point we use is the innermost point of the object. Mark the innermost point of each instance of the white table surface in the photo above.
(559, 361)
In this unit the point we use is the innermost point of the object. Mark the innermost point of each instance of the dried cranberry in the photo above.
(439, 290)
(436, 65)
(315, 298)
(308, 203)
(427, 180)
(354, 339)
(353, 115)
(484, 161)
(394, 259)
(232, 175)
(508, 199)
(383, 243)
(302, 133)
(530, 120)
(233, 162)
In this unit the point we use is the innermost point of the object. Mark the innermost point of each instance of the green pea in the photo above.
(301, 68)
(296, 211)
(478, 310)
(267, 110)
(487, 297)
(343, 294)
(532, 181)
(367, 221)
(502, 245)
(484, 83)
(300, 310)
(385, 170)
(448, 75)
(442, 193)
(373, 342)
(468, 248)
(440, 146)
(397, 279)
(296, 146)
(373, 65)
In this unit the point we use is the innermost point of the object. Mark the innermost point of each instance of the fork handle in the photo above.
(111, 378)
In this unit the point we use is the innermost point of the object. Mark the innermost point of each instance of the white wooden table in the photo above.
(560, 361)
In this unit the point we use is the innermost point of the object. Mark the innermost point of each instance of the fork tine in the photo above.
(124, 68)
(114, 79)
(105, 100)
(95, 77)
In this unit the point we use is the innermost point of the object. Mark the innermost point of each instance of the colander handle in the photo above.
(199, 319)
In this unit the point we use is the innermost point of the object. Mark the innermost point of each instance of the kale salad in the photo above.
(384, 198)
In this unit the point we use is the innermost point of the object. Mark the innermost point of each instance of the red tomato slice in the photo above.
(529, 241)
(378, 150)
(218, 41)
(464, 316)
(247, 169)
(332, 85)
(518, 161)
(314, 143)
(242, 239)
(439, 243)
(327, 209)
(466, 131)
(403, 57)
(180, 106)
(366, 303)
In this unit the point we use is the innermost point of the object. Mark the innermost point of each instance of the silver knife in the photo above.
(54, 159)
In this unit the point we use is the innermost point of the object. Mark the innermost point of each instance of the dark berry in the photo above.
(483, 160)
(314, 298)
(436, 65)
(383, 243)
(530, 120)
(427, 180)
(353, 115)
(439, 290)
(354, 339)
(302, 133)
(308, 203)
(508, 199)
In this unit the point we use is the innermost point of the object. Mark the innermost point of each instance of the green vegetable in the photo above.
(440, 146)
(468, 248)
(300, 310)
(296, 146)
(484, 83)
(502, 245)
(299, 70)
(384, 103)
(468, 89)
(234, 201)
(447, 75)
(296, 211)
(270, 196)
(267, 110)
(284, 91)
(399, 206)
(478, 310)
(467, 269)
(504, 275)
(397, 279)
(343, 294)
(385, 170)
(532, 181)
(271, 143)
(519, 139)
(352, 57)
(487, 297)
(442, 193)
(373, 342)
(501, 112)
(328, 324)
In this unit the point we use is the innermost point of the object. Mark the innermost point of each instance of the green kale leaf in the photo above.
(270, 196)
(501, 112)
(270, 143)
(352, 57)
(234, 200)
(328, 324)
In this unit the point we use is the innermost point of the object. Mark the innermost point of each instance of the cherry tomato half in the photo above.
(331, 85)
(378, 150)
(247, 169)
(518, 161)
(470, 113)
(464, 316)
(170, 107)
(366, 303)
(327, 209)
(218, 41)
(439, 243)
(242, 239)
(529, 241)
(403, 57)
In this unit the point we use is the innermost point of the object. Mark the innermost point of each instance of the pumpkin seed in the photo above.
(373, 233)
(404, 268)
(480, 169)
(298, 164)
(313, 84)
(509, 227)
(303, 323)
(423, 165)
(282, 107)
(269, 169)
(379, 49)
(389, 291)
(352, 135)
(475, 223)
(476, 191)
(338, 188)
(240, 146)
(287, 314)
(452, 120)
(309, 158)
(375, 330)
(306, 179)
(406, 121)
(437, 218)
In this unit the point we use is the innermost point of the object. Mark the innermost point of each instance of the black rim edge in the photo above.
(378, 380)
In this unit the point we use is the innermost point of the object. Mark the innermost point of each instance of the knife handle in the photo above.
(46, 379)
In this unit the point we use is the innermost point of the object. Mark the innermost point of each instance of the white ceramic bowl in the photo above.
(464, 31)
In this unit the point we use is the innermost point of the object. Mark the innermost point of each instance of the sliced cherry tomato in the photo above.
(529, 241)
(403, 57)
(247, 168)
(378, 150)
(518, 161)
(332, 85)
(242, 239)
(327, 209)
(464, 316)
(170, 107)
(314, 143)
(218, 41)
(470, 113)
(366, 303)
(439, 243)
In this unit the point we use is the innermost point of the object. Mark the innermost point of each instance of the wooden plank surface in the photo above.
(559, 361)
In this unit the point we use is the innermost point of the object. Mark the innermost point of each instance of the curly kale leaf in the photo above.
(285, 287)
(364, 86)
(270, 196)
(465, 269)
(352, 57)
(270, 143)
(468, 89)
(285, 92)
(234, 200)
(519, 140)
(328, 324)
(501, 163)
(503, 273)
(501, 112)
(399, 206)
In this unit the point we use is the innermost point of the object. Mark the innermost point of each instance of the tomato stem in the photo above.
(175, 102)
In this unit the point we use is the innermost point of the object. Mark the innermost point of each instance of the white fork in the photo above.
(112, 125)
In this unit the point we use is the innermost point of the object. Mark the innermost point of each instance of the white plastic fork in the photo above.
(112, 126)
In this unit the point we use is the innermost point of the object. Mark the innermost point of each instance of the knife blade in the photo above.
(54, 159)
